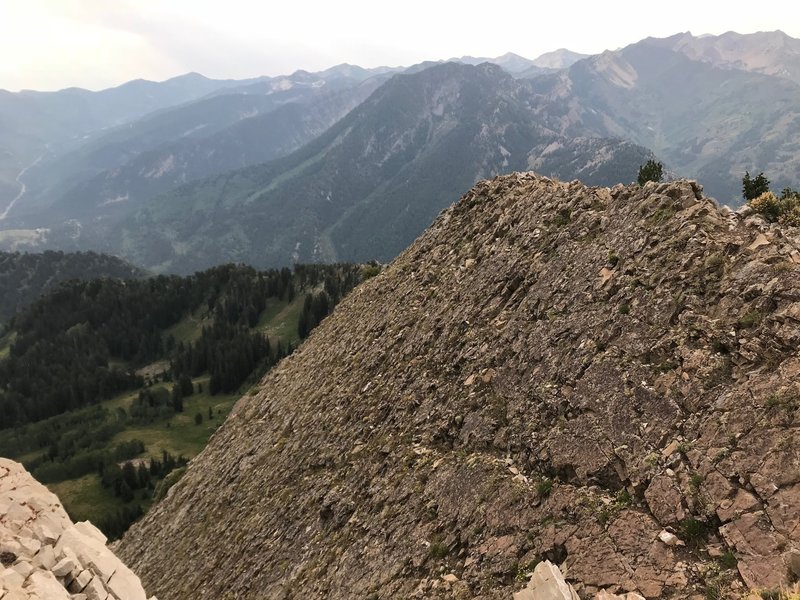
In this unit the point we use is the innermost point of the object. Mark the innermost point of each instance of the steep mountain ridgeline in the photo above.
(24, 277)
(593, 376)
(373, 181)
(767, 52)
(705, 120)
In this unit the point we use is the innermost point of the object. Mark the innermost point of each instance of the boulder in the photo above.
(45, 558)
(547, 583)
(43, 584)
(606, 595)
(63, 567)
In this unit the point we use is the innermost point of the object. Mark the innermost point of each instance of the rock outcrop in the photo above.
(45, 556)
(603, 378)
(547, 583)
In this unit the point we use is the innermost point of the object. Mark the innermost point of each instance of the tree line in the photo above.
(128, 479)
(25, 276)
(82, 342)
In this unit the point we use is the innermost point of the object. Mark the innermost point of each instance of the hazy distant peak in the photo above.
(510, 56)
(510, 62)
(558, 59)
(767, 52)
(187, 76)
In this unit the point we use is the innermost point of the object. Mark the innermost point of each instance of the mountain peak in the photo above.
(766, 52)
(558, 59)
(550, 372)
(510, 62)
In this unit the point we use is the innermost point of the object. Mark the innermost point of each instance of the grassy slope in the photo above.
(85, 498)
(179, 434)
(279, 320)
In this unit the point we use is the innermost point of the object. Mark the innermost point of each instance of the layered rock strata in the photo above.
(607, 379)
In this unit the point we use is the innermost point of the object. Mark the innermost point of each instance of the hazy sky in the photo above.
(51, 44)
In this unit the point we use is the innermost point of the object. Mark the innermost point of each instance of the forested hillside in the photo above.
(110, 385)
(24, 277)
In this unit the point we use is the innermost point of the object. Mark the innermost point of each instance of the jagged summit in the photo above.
(602, 378)
(768, 52)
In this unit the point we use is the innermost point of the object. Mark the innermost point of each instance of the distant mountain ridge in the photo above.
(67, 180)
(150, 162)
(558, 59)
(706, 121)
(519, 66)
(372, 182)
(766, 52)
(709, 107)
(34, 123)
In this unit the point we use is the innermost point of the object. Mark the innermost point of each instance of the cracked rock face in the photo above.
(603, 378)
(45, 556)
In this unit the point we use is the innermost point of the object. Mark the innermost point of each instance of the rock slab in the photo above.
(46, 556)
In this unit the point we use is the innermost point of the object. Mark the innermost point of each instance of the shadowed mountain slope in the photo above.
(370, 184)
(592, 376)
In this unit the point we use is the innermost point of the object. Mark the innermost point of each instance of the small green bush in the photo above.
(563, 217)
(624, 498)
(369, 271)
(768, 206)
(438, 550)
(750, 319)
(728, 560)
(753, 187)
(784, 210)
(544, 487)
(693, 531)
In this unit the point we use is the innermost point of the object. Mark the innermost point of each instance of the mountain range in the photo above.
(365, 188)
(206, 170)
(561, 381)
(711, 122)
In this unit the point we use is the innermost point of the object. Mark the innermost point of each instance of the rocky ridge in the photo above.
(45, 556)
(603, 378)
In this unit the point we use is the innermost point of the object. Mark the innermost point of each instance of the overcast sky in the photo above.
(51, 44)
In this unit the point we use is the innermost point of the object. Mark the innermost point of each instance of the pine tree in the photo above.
(753, 187)
(650, 171)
